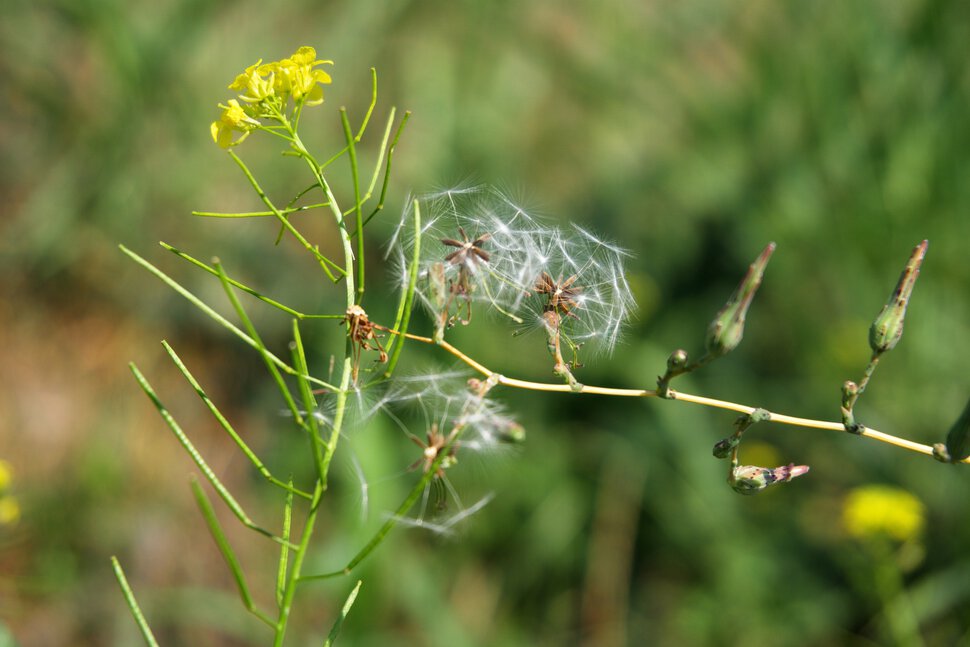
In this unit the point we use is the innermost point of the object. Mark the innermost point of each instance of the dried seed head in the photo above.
(494, 254)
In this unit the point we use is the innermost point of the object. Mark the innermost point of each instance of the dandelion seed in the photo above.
(528, 267)
(445, 527)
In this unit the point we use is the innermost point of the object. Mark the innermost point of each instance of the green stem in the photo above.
(286, 602)
(340, 392)
(215, 316)
(309, 403)
(352, 155)
(392, 521)
(248, 290)
(321, 259)
(258, 214)
(407, 302)
(224, 423)
(260, 346)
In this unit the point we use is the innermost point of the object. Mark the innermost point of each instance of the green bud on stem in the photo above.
(726, 331)
(888, 325)
(850, 393)
(676, 365)
(724, 447)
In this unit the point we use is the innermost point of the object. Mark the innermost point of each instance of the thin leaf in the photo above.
(338, 623)
(284, 549)
(309, 403)
(260, 346)
(387, 169)
(210, 476)
(260, 214)
(136, 613)
(197, 302)
(205, 507)
(244, 288)
(321, 259)
(221, 419)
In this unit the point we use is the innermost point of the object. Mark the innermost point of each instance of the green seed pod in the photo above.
(726, 331)
(887, 328)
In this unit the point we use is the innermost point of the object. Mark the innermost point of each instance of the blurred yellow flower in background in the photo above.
(9, 508)
(881, 510)
(6, 474)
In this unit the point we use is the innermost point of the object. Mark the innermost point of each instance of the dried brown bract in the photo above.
(562, 294)
(360, 330)
(433, 448)
(469, 251)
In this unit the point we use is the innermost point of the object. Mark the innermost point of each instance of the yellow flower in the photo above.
(6, 474)
(297, 76)
(252, 83)
(880, 510)
(233, 119)
(9, 510)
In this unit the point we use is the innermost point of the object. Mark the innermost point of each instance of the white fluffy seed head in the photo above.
(520, 248)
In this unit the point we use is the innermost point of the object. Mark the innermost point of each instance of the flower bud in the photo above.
(750, 479)
(958, 439)
(726, 331)
(724, 447)
(512, 433)
(677, 362)
(850, 392)
(888, 325)
(676, 365)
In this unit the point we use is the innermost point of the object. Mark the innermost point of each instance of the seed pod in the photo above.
(726, 331)
(888, 325)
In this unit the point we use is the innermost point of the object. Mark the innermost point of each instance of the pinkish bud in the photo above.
(750, 479)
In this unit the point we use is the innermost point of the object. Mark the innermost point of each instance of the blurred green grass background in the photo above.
(693, 132)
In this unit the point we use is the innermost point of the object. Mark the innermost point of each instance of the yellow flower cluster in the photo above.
(880, 510)
(9, 508)
(265, 88)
